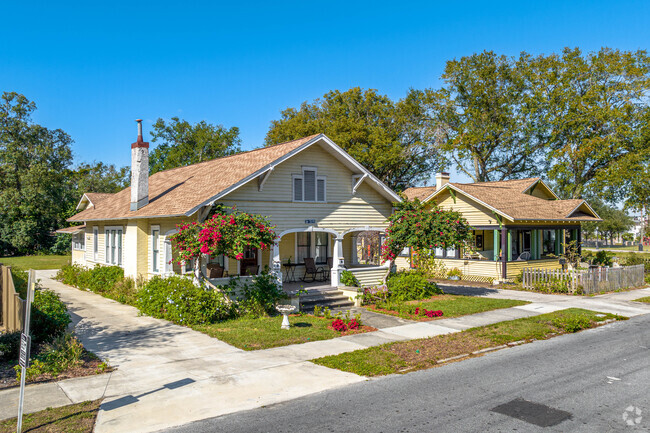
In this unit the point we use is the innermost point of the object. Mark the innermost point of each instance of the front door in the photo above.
(249, 262)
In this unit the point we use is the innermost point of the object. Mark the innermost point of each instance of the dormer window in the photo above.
(308, 186)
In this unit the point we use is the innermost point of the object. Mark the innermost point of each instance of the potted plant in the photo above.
(454, 274)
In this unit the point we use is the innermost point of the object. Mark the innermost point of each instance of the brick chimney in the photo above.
(441, 180)
(139, 171)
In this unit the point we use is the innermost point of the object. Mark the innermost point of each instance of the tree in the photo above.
(34, 163)
(597, 111)
(183, 143)
(390, 139)
(614, 221)
(422, 227)
(488, 118)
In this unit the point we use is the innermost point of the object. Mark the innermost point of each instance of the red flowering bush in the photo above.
(423, 227)
(428, 313)
(353, 324)
(339, 325)
(224, 233)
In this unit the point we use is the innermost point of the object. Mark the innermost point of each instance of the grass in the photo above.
(36, 262)
(76, 418)
(264, 332)
(646, 299)
(402, 357)
(450, 305)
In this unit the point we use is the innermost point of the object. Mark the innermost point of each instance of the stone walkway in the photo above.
(168, 375)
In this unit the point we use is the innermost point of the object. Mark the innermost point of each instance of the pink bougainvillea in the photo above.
(339, 325)
(226, 233)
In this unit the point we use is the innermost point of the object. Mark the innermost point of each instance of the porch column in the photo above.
(504, 254)
(276, 265)
(355, 251)
(509, 245)
(495, 246)
(338, 262)
(579, 240)
(533, 244)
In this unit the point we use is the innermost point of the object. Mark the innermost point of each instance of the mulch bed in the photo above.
(90, 366)
(398, 314)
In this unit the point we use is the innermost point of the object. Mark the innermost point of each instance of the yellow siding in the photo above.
(78, 257)
(514, 268)
(475, 213)
(341, 212)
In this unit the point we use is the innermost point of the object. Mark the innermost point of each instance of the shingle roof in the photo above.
(73, 229)
(508, 197)
(419, 192)
(179, 190)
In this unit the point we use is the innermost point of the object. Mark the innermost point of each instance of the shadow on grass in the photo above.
(92, 412)
(302, 325)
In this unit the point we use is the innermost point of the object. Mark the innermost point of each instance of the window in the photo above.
(303, 246)
(78, 241)
(95, 243)
(155, 248)
(113, 241)
(308, 186)
(322, 247)
(548, 242)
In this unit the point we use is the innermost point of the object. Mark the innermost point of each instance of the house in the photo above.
(517, 223)
(320, 199)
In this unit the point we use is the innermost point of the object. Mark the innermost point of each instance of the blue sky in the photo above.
(94, 67)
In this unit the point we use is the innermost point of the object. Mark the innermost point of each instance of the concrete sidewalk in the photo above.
(168, 375)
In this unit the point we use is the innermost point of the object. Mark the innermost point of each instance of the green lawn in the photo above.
(265, 332)
(646, 299)
(36, 262)
(425, 353)
(450, 305)
(76, 418)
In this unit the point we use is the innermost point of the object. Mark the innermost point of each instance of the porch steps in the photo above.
(332, 299)
(371, 276)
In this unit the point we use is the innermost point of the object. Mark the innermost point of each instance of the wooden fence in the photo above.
(586, 281)
(13, 307)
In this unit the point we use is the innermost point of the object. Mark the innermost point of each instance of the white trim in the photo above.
(263, 178)
(83, 237)
(364, 229)
(317, 178)
(151, 246)
(455, 188)
(96, 243)
(119, 257)
(379, 185)
(358, 183)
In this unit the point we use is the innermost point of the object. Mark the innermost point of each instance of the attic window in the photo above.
(308, 186)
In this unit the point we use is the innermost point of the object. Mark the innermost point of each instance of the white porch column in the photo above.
(338, 262)
(355, 250)
(276, 265)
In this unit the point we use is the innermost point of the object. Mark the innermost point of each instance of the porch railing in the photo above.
(587, 281)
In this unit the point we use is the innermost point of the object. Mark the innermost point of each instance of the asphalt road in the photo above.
(582, 382)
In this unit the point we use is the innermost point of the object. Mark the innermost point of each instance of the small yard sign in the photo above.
(25, 343)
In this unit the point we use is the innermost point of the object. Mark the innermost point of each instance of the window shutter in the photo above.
(310, 185)
(297, 189)
(320, 196)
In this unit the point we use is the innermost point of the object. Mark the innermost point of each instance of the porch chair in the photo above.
(311, 269)
(524, 256)
(214, 270)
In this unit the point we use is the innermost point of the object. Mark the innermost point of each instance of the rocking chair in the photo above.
(313, 271)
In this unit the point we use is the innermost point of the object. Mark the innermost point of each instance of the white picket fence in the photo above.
(593, 280)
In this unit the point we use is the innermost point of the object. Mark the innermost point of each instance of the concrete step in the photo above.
(333, 306)
(327, 298)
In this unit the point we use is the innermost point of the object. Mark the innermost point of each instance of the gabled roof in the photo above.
(73, 229)
(184, 190)
(512, 200)
(90, 199)
(422, 193)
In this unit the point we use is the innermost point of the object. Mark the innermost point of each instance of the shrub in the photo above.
(455, 273)
(603, 258)
(407, 286)
(20, 278)
(178, 300)
(348, 279)
(108, 281)
(261, 296)
(373, 295)
(50, 316)
(62, 244)
(62, 353)
(9, 346)
(339, 325)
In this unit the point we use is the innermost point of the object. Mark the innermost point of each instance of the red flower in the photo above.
(339, 325)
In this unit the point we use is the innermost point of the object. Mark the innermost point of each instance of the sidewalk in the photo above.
(168, 375)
